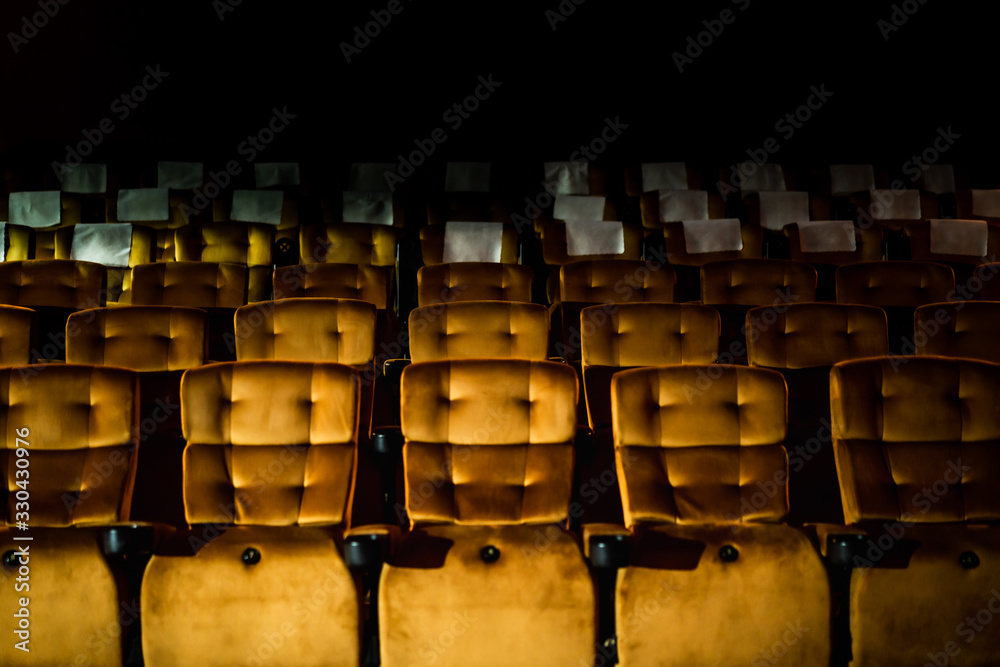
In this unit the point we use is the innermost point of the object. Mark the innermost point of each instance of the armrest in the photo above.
(368, 547)
(387, 440)
(840, 545)
(607, 545)
(132, 539)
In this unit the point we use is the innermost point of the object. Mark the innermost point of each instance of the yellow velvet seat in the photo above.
(217, 288)
(733, 286)
(803, 341)
(957, 329)
(54, 288)
(319, 329)
(143, 251)
(487, 574)
(160, 343)
(268, 470)
(897, 287)
(349, 243)
(915, 442)
(247, 243)
(714, 577)
(478, 329)
(473, 281)
(18, 335)
(79, 432)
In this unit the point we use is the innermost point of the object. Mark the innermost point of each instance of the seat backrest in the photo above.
(698, 444)
(809, 335)
(81, 427)
(143, 338)
(349, 243)
(57, 283)
(916, 439)
(309, 329)
(968, 329)
(757, 282)
(479, 329)
(894, 283)
(363, 282)
(269, 442)
(473, 281)
(17, 335)
(248, 243)
(193, 284)
(649, 334)
(488, 441)
(616, 280)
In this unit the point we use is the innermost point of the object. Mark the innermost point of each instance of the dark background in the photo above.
(608, 59)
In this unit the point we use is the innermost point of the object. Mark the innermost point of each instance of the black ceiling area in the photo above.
(708, 82)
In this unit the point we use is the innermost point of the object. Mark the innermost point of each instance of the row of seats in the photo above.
(703, 570)
(57, 287)
(802, 341)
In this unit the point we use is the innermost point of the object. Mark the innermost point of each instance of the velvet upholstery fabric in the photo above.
(915, 439)
(349, 243)
(83, 433)
(194, 284)
(476, 329)
(488, 460)
(270, 465)
(307, 329)
(473, 281)
(701, 462)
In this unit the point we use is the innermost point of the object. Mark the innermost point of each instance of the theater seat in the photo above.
(54, 288)
(68, 468)
(703, 475)
(617, 338)
(968, 329)
(317, 329)
(473, 281)
(802, 341)
(160, 343)
(487, 562)
(915, 442)
(898, 288)
(258, 579)
(142, 250)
